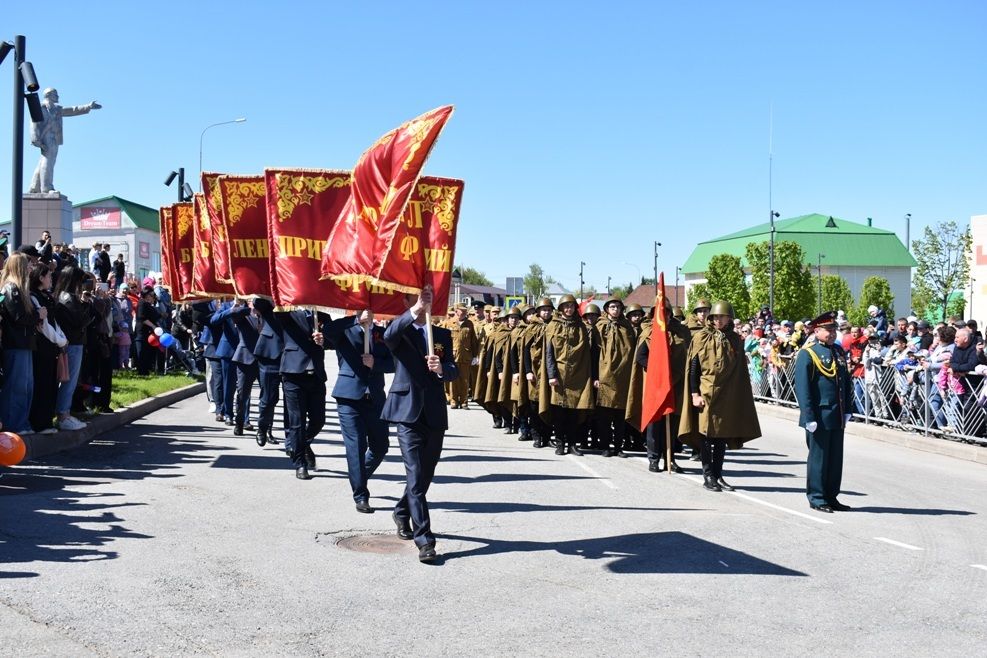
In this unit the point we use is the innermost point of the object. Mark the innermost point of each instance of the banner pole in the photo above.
(428, 332)
(668, 442)
(366, 337)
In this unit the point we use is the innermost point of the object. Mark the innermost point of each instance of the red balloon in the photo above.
(153, 341)
(12, 449)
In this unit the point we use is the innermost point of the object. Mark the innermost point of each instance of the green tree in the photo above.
(473, 276)
(697, 292)
(795, 294)
(725, 280)
(534, 282)
(621, 292)
(875, 291)
(836, 295)
(943, 256)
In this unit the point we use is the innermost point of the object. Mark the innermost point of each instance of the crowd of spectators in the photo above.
(66, 329)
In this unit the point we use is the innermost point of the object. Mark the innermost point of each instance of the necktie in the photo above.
(422, 344)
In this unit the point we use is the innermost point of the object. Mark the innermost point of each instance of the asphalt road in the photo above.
(172, 537)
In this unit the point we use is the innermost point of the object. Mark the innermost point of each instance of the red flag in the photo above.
(183, 240)
(659, 398)
(168, 272)
(204, 282)
(586, 302)
(384, 179)
(213, 209)
(244, 215)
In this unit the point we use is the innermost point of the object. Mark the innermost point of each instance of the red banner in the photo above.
(204, 281)
(659, 398)
(424, 244)
(183, 220)
(384, 180)
(167, 246)
(244, 214)
(217, 227)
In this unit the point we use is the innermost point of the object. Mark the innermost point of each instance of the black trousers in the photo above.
(421, 448)
(655, 437)
(713, 452)
(45, 366)
(567, 424)
(270, 390)
(305, 401)
(610, 426)
(539, 428)
(246, 375)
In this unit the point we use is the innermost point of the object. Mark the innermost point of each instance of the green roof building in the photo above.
(851, 250)
(130, 229)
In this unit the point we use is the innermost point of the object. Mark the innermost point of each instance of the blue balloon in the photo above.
(167, 340)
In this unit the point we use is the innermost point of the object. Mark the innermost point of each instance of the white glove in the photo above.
(475, 361)
(811, 427)
(846, 418)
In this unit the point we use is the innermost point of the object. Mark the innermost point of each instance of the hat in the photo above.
(701, 304)
(545, 302)
(922, 324)
(633, 308)
(788, 323)
(28, 250)
(124, 287)
(460, 306)
(592, 309)
(825, 321)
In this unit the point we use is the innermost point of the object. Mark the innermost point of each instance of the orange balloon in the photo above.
(12, 449)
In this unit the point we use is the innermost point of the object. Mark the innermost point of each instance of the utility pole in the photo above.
(608, 286)
(581, 266)
(819, 272)
(657, 244)
(771, 263)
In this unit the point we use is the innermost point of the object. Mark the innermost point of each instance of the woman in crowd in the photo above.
(45, 356)
(148, 318)
(19, 322)
(73, 315)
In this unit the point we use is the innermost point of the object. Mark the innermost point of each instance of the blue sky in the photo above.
(584, 131)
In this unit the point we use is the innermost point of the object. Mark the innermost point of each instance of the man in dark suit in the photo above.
(225, 340)
(824, 391)
(303, 377)
(267, 351)
(417, 404)
(248, 324)
(359, 393)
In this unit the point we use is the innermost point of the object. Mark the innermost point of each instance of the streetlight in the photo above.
(25, 90)
(657, 244)
(184, 189)
(221, 123)
(908, 231)
(819, 272)
(771, 263)
(581, 266)
(608, 286)
(678, 270)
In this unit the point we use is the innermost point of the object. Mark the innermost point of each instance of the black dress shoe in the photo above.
(364, 507)
(220, 419)
(574, 449)
(229, 422)
(237, 430)
(426, 553)
(498, 424)
(654, 466)
(607, 453)
(270, 438)
(723, 484)
(710, 484)
(404, 527)
(822, 508)
(839, 507)
(249, 427)
(302, 473)
(677, 469)
(310, 458)
(261, 438)
(560, 449)
(622, 454)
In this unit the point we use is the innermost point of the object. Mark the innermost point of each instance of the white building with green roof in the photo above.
(853, 251)
(130, 228)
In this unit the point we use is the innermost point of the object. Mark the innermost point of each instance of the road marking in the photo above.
(979, 566)
(724, 563)
(764, 502)
(899, 544)
(589, 470)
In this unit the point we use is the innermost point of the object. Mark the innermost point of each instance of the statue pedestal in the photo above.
(51, 211)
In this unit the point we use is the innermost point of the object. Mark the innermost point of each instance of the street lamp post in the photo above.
(25, 91)
(581, 266)
(771, 263)
(908, 231)
(221, 123)
(608, 286)
(678, 270)
(819, 272)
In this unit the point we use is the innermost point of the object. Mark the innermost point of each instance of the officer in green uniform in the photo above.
(823, 388)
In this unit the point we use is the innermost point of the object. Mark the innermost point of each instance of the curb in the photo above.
(964, 451)
(42, 445)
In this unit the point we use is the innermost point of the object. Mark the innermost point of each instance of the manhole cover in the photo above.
(380, 544)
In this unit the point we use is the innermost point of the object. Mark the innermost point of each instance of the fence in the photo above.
(909, 400)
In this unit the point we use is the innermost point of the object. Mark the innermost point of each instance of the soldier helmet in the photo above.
(701, 304)
(526, 310)
(633, 308)
(678, 313)
(612, 300)
(515, 311)
(722, 308)
(592, 309)
(545, 301)
(495, 309)
(459, 306)
(567, 299)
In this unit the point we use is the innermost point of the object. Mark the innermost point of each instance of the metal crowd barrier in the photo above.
(909, 401)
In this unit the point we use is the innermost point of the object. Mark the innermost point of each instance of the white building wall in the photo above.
(976, 293)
